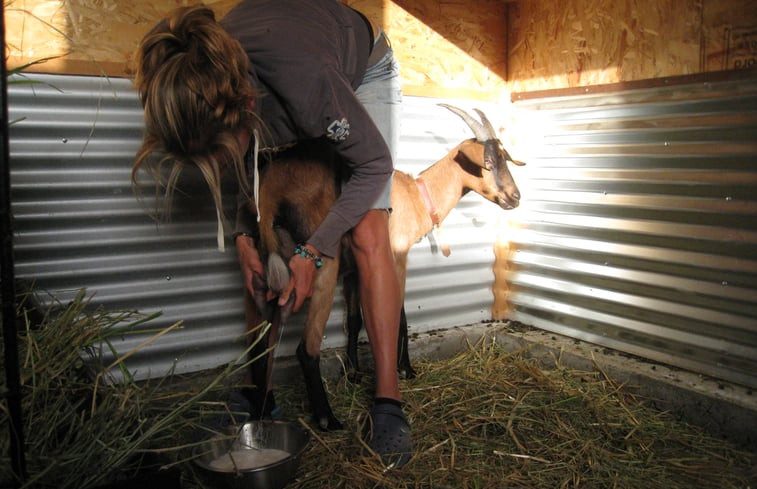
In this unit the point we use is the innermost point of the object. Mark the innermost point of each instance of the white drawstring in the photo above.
(256, 184)
(220, 235)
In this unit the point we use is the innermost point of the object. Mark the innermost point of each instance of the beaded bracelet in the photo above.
(306, 253)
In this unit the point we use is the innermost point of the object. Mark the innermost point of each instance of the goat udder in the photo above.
(278, 273)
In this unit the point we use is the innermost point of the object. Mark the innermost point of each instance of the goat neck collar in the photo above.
(427, 200)
(436, 229)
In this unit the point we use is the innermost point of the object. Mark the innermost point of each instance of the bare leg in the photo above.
(379, 297)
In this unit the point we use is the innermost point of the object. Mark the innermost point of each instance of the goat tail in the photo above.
(278, 272)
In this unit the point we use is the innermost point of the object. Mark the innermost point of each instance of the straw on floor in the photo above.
(485, 418)
(87, 421)
(488, 418)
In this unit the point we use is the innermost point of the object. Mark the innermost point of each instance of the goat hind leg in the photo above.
(308, 351)
(260, 392)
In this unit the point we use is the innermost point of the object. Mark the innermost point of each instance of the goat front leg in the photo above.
(354, 323)
(404, 367)
(309, 349)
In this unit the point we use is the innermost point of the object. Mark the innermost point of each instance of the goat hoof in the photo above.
(328, 423)
(355, 376)
(407, 373)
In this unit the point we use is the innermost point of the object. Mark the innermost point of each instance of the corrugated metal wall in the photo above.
(638, 229)
(78, 225)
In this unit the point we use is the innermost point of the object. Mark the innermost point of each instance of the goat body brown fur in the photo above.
(290, 214)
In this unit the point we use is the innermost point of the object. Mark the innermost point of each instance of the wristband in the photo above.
(242, 233)
(306, 253)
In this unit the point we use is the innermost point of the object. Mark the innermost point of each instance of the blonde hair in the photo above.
(193, 82)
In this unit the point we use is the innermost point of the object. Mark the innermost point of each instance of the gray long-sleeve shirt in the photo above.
(308, 57)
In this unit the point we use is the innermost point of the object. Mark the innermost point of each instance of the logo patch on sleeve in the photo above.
(338, 130)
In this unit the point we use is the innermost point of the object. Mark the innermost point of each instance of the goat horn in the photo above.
(478, 130)
(487, 124)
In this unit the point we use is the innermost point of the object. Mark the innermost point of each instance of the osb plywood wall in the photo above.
(444, 48)
(575, 43)
(83, 36)
(457, 48)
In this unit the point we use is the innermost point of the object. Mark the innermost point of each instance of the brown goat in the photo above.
(422, 203)
(289, 214)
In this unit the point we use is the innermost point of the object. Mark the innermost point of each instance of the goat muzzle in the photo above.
(509, 200)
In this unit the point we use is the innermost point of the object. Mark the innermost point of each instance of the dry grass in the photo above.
(487, 418)
(87, 422)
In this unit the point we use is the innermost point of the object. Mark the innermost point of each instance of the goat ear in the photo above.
(510, 158)
(473, 151)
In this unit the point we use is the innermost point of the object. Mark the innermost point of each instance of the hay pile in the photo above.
(87, 422)
(488, 418)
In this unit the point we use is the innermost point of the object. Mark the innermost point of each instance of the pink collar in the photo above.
(427, 200)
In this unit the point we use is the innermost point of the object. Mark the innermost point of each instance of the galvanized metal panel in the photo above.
(639, 224)
(79, 225)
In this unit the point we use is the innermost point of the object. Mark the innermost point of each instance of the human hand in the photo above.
(249, 262)
(301, 279)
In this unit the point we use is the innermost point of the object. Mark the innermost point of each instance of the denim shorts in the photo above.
(381, 94)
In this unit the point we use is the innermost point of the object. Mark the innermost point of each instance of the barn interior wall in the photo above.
(576, 43)
(475, 49)
(466, 49)
(445, 49)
